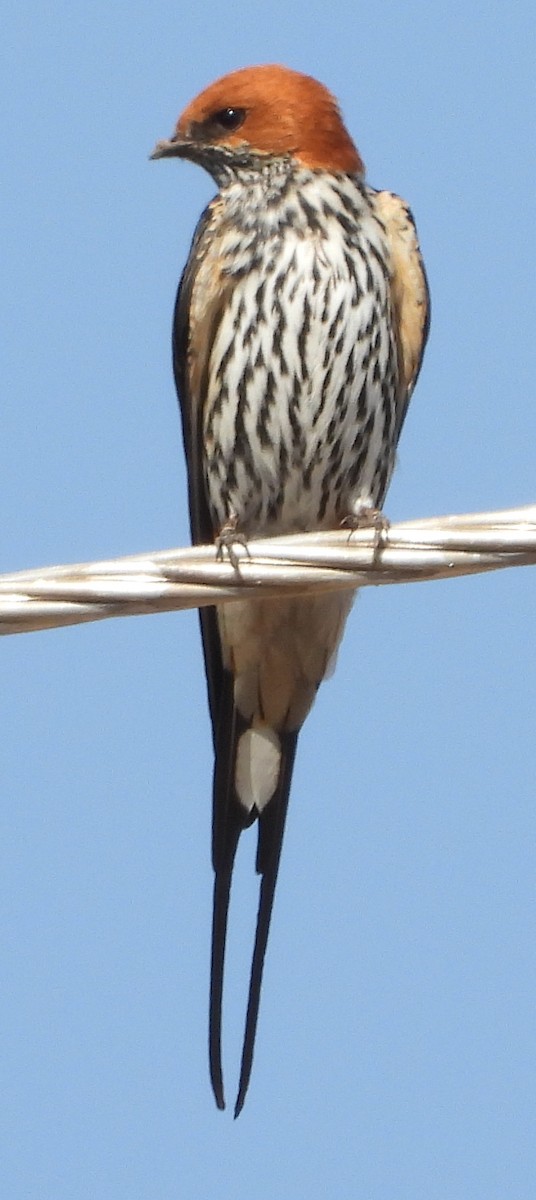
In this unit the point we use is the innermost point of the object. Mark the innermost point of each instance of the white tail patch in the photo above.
(258, 759)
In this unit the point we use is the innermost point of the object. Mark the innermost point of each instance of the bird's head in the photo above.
(258, 114)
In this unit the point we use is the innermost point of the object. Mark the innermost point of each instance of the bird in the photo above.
(298, 334)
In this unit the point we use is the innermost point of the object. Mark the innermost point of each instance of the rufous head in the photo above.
(264, 112)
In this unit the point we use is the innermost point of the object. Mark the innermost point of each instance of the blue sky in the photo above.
(396, 1048)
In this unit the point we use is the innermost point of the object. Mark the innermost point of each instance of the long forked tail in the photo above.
(220, 909)
(270, 838)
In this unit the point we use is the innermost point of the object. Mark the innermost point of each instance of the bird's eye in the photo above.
(229, 118)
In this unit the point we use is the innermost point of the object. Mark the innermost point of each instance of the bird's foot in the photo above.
(229, 537)
(367, 516)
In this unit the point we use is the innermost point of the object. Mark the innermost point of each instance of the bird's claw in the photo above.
(368, 516)
(228, 537)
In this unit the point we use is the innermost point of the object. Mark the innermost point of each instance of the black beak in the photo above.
(176, 147)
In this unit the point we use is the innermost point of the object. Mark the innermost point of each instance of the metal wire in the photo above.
(409, 552)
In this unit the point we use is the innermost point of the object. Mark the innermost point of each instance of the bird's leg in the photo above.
(228, 537)
(366, 515)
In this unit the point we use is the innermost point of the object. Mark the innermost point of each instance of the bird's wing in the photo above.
(192, 341)
(409, 290)
(200, 308)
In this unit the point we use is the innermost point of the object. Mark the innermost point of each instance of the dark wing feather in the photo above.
(225, 826)
(191, 407)
(191, 412)
(229, 817)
